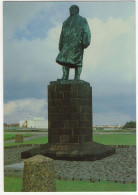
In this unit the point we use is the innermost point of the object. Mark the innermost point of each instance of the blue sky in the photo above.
(31, 35)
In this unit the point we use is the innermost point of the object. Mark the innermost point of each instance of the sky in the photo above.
(31, 33)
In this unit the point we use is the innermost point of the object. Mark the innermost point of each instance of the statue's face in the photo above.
(73, 10)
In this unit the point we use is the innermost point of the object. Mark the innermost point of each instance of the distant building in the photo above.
(34, 122)
(6, 125)
(107, 127)
(13, 125)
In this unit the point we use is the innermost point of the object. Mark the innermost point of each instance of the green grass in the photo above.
(115, 139)
(107, 139)
(12, 136)
(14, 184)
(41, 140)
(85, 186)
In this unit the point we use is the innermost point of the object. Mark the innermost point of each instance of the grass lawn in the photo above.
(115, 139)
(12, 136)
(14, 184)
(41, 140)
(107, 139)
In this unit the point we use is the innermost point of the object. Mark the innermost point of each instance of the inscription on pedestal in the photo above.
(59, 147)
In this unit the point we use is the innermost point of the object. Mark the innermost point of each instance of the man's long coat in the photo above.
(75, 36)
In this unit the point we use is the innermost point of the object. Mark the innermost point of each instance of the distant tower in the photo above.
(26, 124)
(30, 117)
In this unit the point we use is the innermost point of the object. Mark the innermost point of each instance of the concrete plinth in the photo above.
(70, 124)
(38, 175)
(19, 138)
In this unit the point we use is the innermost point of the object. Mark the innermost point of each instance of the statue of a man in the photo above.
(75, 37)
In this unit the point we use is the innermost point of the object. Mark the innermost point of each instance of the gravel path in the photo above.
(13, 155)
(120, 167)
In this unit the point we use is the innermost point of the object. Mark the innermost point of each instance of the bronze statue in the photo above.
(75, 37)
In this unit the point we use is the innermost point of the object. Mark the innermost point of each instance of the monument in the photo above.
(75, 37)
(70, 101)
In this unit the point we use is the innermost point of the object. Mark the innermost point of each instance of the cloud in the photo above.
(110, 58)
(103, 10)
(17, 14)
(9, 108)
(32, 61)
(105, 42)
(20, 109)
(29, 66)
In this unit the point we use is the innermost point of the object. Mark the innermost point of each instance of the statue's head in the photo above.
(74, 9)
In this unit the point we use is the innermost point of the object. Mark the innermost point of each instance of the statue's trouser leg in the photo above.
(77, 73)
(65, 72)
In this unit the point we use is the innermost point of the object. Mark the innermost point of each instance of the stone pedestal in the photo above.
(70, 124)
(19, 138)
(69, 112)
(38, 175)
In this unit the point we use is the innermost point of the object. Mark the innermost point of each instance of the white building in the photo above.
(34, 122)
(22, 123)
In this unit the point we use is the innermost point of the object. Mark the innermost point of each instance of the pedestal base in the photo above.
(76, 152)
